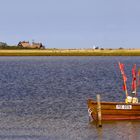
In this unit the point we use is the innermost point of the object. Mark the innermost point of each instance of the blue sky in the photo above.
(71, 23)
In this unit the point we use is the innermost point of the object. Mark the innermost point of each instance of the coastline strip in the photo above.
(70, 52)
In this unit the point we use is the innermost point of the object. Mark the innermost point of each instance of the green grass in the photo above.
(62, 52)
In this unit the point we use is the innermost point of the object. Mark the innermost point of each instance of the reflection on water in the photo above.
(45, 97)
(119, 130)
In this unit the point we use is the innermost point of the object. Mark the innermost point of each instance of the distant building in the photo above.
(37, 45)
(26, 44)
(96, 48)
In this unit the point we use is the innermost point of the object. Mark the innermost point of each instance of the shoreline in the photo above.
(70, 52)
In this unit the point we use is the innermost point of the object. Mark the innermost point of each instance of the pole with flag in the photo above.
(134, 84)
(121, 66)
(138, 78)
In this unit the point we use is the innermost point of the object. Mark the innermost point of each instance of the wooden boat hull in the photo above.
(114, 111)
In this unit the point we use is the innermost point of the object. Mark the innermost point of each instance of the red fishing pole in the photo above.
(121, 66)
(134, 84)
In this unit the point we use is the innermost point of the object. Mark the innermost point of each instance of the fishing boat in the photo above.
(109, 111)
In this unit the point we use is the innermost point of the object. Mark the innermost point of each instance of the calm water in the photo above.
(44, 98)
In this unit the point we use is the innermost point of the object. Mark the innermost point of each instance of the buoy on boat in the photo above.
(130, 99)
(135, 78)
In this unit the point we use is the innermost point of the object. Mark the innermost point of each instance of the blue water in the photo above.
(45, 97)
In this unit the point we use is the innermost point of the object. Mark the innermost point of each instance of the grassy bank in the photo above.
(64, 52)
